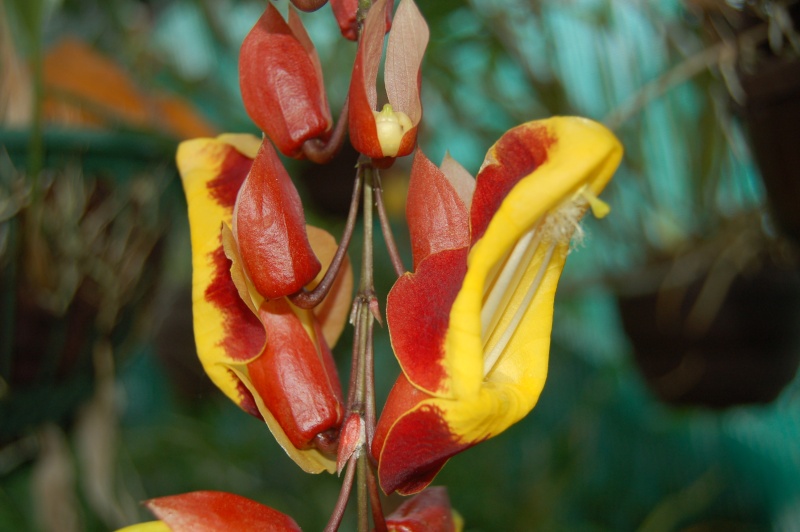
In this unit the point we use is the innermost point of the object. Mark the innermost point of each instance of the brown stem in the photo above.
(321, 152)
(386, 228)
(369, 403)
(309, 299)
(354, 367)
(344, 495)
(365, 321)
(375, 498)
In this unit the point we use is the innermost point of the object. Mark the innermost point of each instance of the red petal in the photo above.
(292, 378)
(403, 71)
(429, 511)
(282, 87)
(437, 217)
(346, 12)
(244, 334)
(270, 229)
(363, 93)
(416, 446)
(403, 397)
(518, 153)
(232, 172)
(418, 313)
(216, 511)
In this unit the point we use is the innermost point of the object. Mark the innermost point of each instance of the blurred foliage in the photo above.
(598, 452)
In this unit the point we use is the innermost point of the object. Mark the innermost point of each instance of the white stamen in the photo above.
(491, 358)
(508, 275)
(557, 226)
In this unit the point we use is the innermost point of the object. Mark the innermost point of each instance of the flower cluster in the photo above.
(470, 325)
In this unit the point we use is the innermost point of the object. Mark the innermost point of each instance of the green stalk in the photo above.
(366, 294)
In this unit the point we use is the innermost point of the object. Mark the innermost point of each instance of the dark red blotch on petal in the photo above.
(292, 378)
(415, 449)
(213, 511)
(518, 153)
(232, 172)
(270, 229)
(244, 334)
(418, 313)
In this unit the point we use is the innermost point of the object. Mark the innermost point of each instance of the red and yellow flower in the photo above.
(471, 326)
(251, 249)
(391, 131)
(216, 511)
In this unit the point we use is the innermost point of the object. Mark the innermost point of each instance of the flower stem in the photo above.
(386, 228)
(365, 393)
(344, 494)
(322, 152)
(309, 299)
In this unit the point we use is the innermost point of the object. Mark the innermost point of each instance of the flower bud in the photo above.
(281, 82)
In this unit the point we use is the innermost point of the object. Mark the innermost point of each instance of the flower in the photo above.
(270, 357)
(280, 77)
(471, 326)
(346, 13)
(392, 131)
(212, 511)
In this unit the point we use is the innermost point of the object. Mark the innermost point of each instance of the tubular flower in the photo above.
(280, 77)
(270, 357)
(391, 131)
(346, 13)
(471, 326)
(428, 511)
(212, 511)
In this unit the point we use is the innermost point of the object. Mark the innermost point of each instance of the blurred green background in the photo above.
(672, 401)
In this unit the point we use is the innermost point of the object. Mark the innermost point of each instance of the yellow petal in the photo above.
(212, 170)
